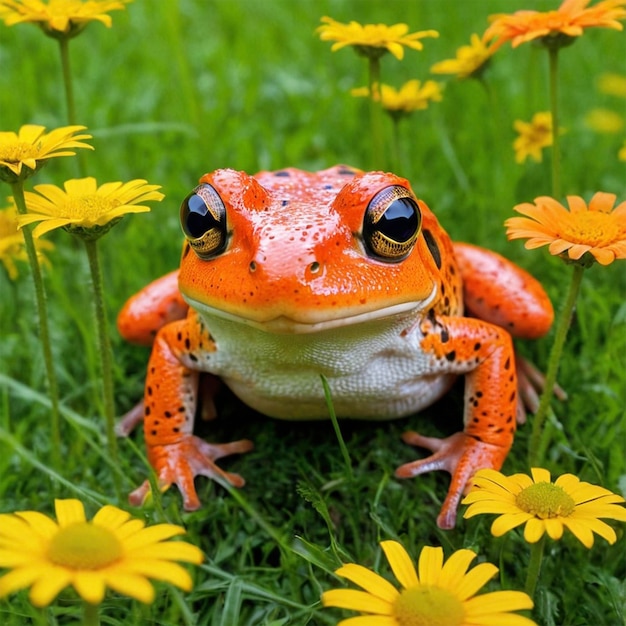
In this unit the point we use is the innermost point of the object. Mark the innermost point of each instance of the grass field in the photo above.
(178, 88)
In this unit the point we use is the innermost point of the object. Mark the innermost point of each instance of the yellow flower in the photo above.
(470, 60)
(621, 155)
(612, 84)
(604, 121)
(32, 146)
(597, 229)
(372, 39)
(533, 136)
(438, 593)
(112, 550)
(59, 18)
(12, 247)
(555, 28)
(412, 96)
(83, 208)
(544, 506)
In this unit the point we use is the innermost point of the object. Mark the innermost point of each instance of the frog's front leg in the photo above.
(484, 353)
(170, 400)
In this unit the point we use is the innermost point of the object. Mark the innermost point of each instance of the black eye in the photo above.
(203, 219)
(391, 224)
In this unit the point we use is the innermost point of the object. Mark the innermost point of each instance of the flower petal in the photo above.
(429, 565)
(47, 587)
(110, 517)
(368, 580)
(496, 602)
(474, 580)
(356, 601)
(69, 512)
(90, 586)
(507, 522)
(534, 529)
(400, 563)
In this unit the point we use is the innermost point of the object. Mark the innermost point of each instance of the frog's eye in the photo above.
(203, 219)
(391, 224)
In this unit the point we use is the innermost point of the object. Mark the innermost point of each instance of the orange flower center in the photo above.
(428, 606)
(83, 546)
(591, 228)
(545, 501)
(17, 152)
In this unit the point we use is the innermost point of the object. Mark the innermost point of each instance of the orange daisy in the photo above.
(555, 27)
(598, 228)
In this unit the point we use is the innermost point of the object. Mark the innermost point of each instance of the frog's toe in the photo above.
(461, 455)
(180, 462)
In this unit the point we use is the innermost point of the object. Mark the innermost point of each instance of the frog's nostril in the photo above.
(252, 266)
(314, 268)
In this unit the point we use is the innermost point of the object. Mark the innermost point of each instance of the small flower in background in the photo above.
(533, 136)
(112, 550)
(59, 18)
(85, 209)
(31, 146)
(372, 39)
(604, 121)
(470, 61)
(12, 245)
(612, 84)
(621, 155)
(544, 506)
(412, 96)
(597, 229)
(555, 28)
(437, 593)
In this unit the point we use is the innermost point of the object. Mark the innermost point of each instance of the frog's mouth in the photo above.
(285, 325)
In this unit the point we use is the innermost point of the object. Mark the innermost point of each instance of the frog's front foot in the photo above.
(461, 455)
(180, 462)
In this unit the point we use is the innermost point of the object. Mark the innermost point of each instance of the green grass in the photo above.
(176, 89)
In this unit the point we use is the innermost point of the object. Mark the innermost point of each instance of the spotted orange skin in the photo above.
(295, 251)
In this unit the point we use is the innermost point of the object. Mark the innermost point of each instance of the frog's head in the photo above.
(292, 251)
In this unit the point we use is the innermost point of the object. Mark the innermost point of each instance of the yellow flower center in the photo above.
(428, 606)
(89, 208)
(591, 228)
(545, 500)
(84, 546)
(18, 151)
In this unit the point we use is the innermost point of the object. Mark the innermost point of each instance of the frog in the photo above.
(288, 276)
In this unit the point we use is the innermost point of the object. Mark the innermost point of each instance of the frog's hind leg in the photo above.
(498, 291)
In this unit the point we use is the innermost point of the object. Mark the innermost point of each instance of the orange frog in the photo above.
(289, 275)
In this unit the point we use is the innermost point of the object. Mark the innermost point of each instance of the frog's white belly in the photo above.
(374, 370)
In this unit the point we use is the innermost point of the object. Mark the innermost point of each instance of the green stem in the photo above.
(534, 566)
(91, 614)
(395, 151)
(69, 94)
(67, 80)
(106, 359)
(535, 456)
(44, 330)
(554, 107)
(376, 113)
(333, 419)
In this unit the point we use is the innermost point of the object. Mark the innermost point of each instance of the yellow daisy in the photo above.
(83, 208)
(544, 506)
(437, 593)
(59, 18)
(597, 228)
(533, 136)
(470, 60)
(31, 146)
(12, 247)
(372, 39)
(412, 96)
(112, 550)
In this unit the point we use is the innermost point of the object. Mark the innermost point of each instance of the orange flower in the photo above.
(597, 228)
(555, 27)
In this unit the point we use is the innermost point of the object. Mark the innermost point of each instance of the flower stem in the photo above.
(44, 330)
(553, 53)
(106, 359)
(535, 455)
(376, 112)
(91, 614)
(534, 566)
(69, 93)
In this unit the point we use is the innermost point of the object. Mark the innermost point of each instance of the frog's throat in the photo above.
(282, 324)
